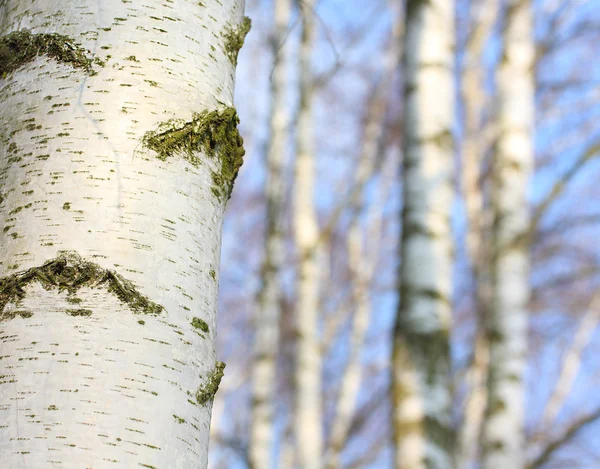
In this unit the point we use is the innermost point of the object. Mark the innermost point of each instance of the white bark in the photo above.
(308, 408)
(421, 358)
(503, 430)
(95, 370)
(266, 344)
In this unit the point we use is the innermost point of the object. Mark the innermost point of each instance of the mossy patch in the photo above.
(79, 312)
(70, 272)
(7, 315)
(213, 133)
(234, 38)
(207, 391)
(200, 324)
(20, 47)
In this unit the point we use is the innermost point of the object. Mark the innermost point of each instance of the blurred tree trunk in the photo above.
(308, 409)
(503, 431)
(264, 380)
(115, 171)
(363, 246)
(474, 148)
(421, 356)
(361, 270)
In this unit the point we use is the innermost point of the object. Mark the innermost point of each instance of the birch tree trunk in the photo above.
(421, 355)
(264, 380)
(475, 146)
(308, 408)
(362, 261)
(503, 432)
(115, 169)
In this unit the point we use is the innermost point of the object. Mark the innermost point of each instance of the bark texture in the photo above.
(308, 408)
(503, 431)
(421, 355)
(264, 382)
(118, 150)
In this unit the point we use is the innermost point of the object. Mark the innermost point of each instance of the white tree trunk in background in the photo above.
(110, 239)
(361, 271)
(264, 380)
(421, 357)
(308, 408)
(363, 248)
(475, 100)
(503, 431)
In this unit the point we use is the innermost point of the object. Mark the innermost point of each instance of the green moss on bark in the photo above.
(213, 133)
(207, 391)
(79, 312)
(70, 272)
(234, 38)
(20, 47)
(200, 324)
(7, 315)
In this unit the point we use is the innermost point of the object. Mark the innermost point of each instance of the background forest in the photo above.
(311, 256)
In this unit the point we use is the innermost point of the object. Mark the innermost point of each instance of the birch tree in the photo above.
(119, 150)
(308, 407)
(362, 261)
(503, 430)
(421, 358)
(475, 146)
(262, 430)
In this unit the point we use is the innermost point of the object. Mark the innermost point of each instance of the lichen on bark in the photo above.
(200, 324)
(68, 271)
(234, 38)
(7, 315)
(213, 133)
(20, 47)
(207, 391)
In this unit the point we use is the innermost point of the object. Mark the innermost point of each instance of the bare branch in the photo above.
(561, 441)
(561, 184)
(571, 362)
